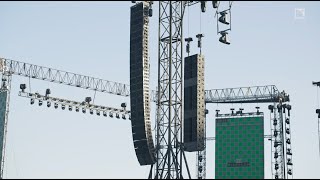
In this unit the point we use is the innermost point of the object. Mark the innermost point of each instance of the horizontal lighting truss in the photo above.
(104, 110)
(63, 77)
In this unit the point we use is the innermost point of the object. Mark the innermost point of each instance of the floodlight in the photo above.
(31, 101)
(48, 103)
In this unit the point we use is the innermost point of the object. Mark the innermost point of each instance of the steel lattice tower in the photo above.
(170, 152)
(5, 88)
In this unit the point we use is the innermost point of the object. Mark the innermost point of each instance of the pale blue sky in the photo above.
(268, 46)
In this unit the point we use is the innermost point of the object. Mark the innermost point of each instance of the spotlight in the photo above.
(287, 121)
(105, 113)
(316, 83)
(48, 103)
(284, 108)
(270, 107)
(276, 155)
(123, 116)
(275, 133)
(40, 102)
(289, 162)
(241, 109)
(206, 111)
(199, 36)
(188, 40)
(77, 109)
(56, 105)
(23, 87)
(288, 141)
(200, 169)
(224, 38)
(287, 130)
(290, 171)
(123, 105)
(110, 114)
(117, 115)
(217, 112)
(63, 106)
(88, 99)
(275, 122)
(91, 111)
(130, 117)
(279, 107)
(317, 111)
(98, 112)
(289, 151)
(224, 18)
(31, 101)
(48, 91)
(70, 108)
(276, 166)
(215, 4)
(84, 110)
(258, 112)
(203, 6)
(232, 111)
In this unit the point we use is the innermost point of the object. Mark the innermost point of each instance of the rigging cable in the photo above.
(318, 119)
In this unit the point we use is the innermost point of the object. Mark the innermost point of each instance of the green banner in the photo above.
(239, 144)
